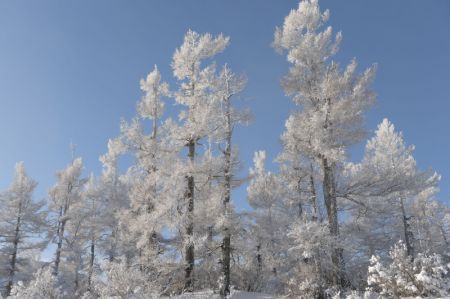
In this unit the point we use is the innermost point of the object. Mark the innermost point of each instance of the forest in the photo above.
(320, 226)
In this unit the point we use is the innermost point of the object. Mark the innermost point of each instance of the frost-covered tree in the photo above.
(309, 250)
(112, 192)
(430, 223)
(71, 278)
(22, 224)
(94, 225)
(227, 87)
(391, 197)
(65, 193)
(152, 152)
(208, 218)
(271, 219)
(198, 119)
(385, 185)
(152, 186)
(332, 103)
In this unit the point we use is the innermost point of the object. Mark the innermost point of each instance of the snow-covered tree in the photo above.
(112, 191)
(332, 103)
(22, 224)
(94, 224)
(152, 186)
(271, 219)
(385, 186)
(390, 196)
(198, 119)
(430, 223)
(309, 250)
(65, 193)
(227, 87)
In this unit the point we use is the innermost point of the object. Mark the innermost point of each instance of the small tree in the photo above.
(22, 222)
(113, 194)
(386, 184)
(65, 193)
(271, 219)
(403, 277)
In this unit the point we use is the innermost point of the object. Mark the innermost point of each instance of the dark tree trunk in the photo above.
(300, 203)
(189, 250)
(226, 242)
(91, 264)
(406, 230)
(313, 198)
(77, 278)
(226, 254)
(61, 227)
(329, 192)
(12, 269)
(112, 249)
(259, 263)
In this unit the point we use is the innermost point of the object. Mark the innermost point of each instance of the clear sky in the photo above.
(70, 70)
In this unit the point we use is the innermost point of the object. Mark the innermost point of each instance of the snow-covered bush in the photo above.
(305, 289)
(43, 286)
(123, 281)
(426, 275)
(432, 274)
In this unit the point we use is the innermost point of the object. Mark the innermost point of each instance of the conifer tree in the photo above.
(331, 102)
(22, 223)
(226, 88)
(65, 193)
(386, 182)
(198, 119)
(113, 194)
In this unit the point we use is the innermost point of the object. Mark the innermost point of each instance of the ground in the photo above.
(234, 295)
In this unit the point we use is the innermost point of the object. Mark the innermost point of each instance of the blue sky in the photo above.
(70, 70)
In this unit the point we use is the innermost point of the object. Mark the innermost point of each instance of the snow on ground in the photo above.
(234, 295)
(247, 295)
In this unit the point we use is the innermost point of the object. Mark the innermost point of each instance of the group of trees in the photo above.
(319, 225)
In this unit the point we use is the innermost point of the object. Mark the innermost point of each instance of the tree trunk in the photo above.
(226, 242)
(313, 199)
(61, 227)
(299, 204)
(259, 265)
(112, 249)
(12, 269)
(77, 276)
(91, 264)
(329, 192)
(226, 254)
(406, 231)
(444, 237)
(189, 249)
